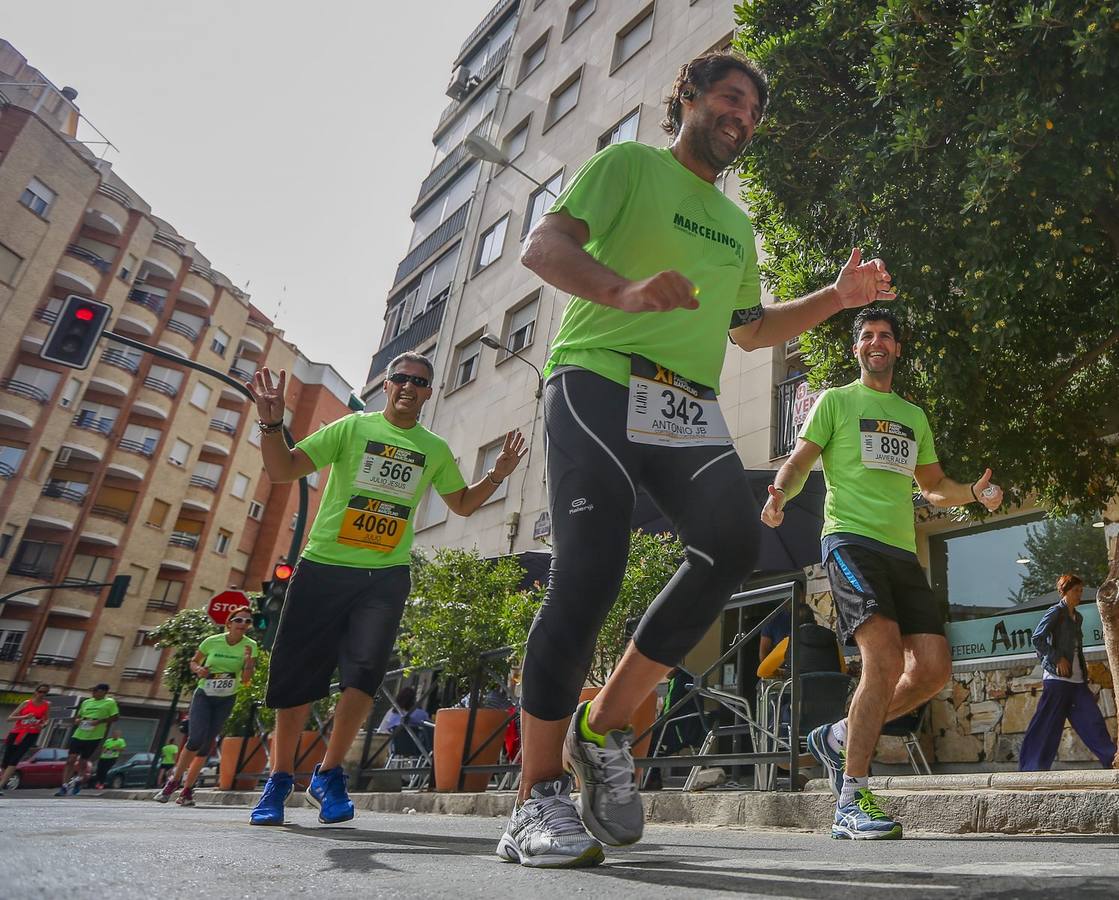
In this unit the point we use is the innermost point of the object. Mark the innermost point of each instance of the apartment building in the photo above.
(134, 466)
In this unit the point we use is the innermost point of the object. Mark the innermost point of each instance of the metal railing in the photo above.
(46, 314)
(785, 434)
(23, 389)
(76, 250)
(500, 7)
(91, 422)
(422, 327)
(58, 490)
(183, 539)
(121, 361)
(26, 571)
(202, 271)
(182, 328)
(113, 193)
(161, 386)
(238, 372)
(148, 300)
(168, 241)
(161, 605)
(6, 471)
(138, 447)
(138, 674)
(427, 248)
(10, 654)
(202, 481)
(49, 659)
(110, 512)
(224, 427)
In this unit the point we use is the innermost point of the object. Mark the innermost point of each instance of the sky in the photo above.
(287, 140)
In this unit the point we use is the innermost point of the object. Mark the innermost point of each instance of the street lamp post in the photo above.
(494, 343)
(480, 148)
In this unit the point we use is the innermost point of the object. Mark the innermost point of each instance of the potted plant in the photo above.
(245, 731)
(461, 607)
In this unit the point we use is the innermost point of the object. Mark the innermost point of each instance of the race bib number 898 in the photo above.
(888, 445)
(373, 524)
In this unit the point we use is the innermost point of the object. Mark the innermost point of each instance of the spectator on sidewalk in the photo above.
(110, 754)
(1065, 695)
(168, 754)
(413, 715)
(30, 717)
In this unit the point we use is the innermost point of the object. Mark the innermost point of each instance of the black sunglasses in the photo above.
(403, 378)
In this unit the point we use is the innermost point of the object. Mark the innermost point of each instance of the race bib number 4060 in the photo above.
(668, 409)
(373, 524)
(385, 469)
(888, 445)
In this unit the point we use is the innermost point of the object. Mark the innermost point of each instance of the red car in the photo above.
(42, 768)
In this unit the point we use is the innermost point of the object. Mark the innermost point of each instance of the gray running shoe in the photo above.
(545, 831)
(608, 798)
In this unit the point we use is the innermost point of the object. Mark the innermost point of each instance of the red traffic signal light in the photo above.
(282, 572)
(76, 331)
(84, 313)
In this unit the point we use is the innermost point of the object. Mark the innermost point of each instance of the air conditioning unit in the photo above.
(63, 456)
(460, 83)
(792, 347)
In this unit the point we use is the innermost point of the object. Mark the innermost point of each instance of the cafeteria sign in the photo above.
(998, 637)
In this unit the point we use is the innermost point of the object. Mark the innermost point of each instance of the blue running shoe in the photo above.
(862, 820)
(269, 809)
(77, 788)
(833, 761)
(328, 793)
(61, 792)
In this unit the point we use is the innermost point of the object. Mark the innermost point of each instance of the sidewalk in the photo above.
(1066, 802)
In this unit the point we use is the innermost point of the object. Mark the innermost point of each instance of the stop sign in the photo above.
(222, 604)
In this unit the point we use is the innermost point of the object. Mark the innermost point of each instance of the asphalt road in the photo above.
(85, 847)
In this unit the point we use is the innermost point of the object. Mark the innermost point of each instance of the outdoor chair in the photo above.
(405, 753)
(908, 728)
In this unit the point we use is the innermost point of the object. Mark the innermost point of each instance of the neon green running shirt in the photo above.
(870, 444)
(646, 213)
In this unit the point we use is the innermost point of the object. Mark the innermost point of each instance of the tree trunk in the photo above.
(1107, 601)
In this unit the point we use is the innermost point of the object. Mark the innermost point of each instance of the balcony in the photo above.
(23, 389)
(242, 369)
(251, 344)
(183, 539)
(31, 570)
(178, 337)
(421, 329)
(108, 211)
(198, 498)
(85, 442)
(161, 387)
(162, 605)
(480, 78)
(111, 513)
(223, 427)
(140, 448)
(179, 554)
(121, 360)
(148, 300)
(490, 19)
(196, 289)
(434, 242)
(104, 526)
(217, 444)
(21, 406)
(7, 471)
(55, 662)
(90, 421)
(785, 434)
(201, 481)
(68, 491)
(143, 310)
(162, 259)
(130, 460)
(81, 270)
(139, 674)
(77, 600)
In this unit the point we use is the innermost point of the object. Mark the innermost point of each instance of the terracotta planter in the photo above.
(450, 736)
(253, 763)
(644, 716)
(308, 754)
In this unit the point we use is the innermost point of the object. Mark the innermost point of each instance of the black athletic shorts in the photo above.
(865, 582)
(83, 748)
(16, 747)
(335, 617)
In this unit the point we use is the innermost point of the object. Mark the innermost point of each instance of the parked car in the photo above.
(133, 772)
(42, 769)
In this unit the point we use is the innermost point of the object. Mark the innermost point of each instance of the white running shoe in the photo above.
(545, 832)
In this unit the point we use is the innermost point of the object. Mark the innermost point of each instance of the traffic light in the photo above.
(117, 591)
(266, 616)
(74, 335)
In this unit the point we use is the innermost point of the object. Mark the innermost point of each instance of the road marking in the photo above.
(766, 876)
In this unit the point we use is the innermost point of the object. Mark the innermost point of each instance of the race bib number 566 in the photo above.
(386, 469)
(373, 524)
(888, 445)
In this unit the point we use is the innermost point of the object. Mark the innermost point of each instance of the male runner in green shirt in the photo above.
(346, 596)
(93, 717)
(661, 264)
(110, 753)
(873, 445)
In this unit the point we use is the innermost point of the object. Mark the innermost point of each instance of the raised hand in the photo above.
(990, 495)
(269, 395)
(862, 283)
(662, 292)
(772, 513)
(511, 454)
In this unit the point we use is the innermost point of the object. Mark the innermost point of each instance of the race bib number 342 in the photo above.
(888, 445)
(385, 469)
(668, 409)
(373, 524)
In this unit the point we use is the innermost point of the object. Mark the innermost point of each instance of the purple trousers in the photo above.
(1061, 700)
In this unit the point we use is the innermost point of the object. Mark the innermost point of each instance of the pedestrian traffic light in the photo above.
(117, 591)
(74, 335)
(266, 616)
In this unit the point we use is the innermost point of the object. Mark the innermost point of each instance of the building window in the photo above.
(466, 362)
(487, 456)
(60, 644)
(10, 460)
(9, 264)
(87, 569)
(129, 267)
(157, 515)
(179, 452)
(491, 242)
(540, 201)
(240, 485)
(12, 632)
(37, 197)
(221, 544)
(1013, 565)
(563, 99)
(166, 594)
(140, 439)
(219, 342)
(107, 652)
(633, 37)
(520, 326)
(256, 510)
(625, 130)
(36, 559)
(577, 13)
(517, 140)
(201, 395)
(533, 57)
(433, 511)
(6, 537)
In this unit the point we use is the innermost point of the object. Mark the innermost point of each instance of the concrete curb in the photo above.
(1069, 779)
(956, 811)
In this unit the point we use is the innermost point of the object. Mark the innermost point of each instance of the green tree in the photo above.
(1056, 546)
(240, 721)
(460, 607)
(183, 632)
(975, 147)
(653, 559)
